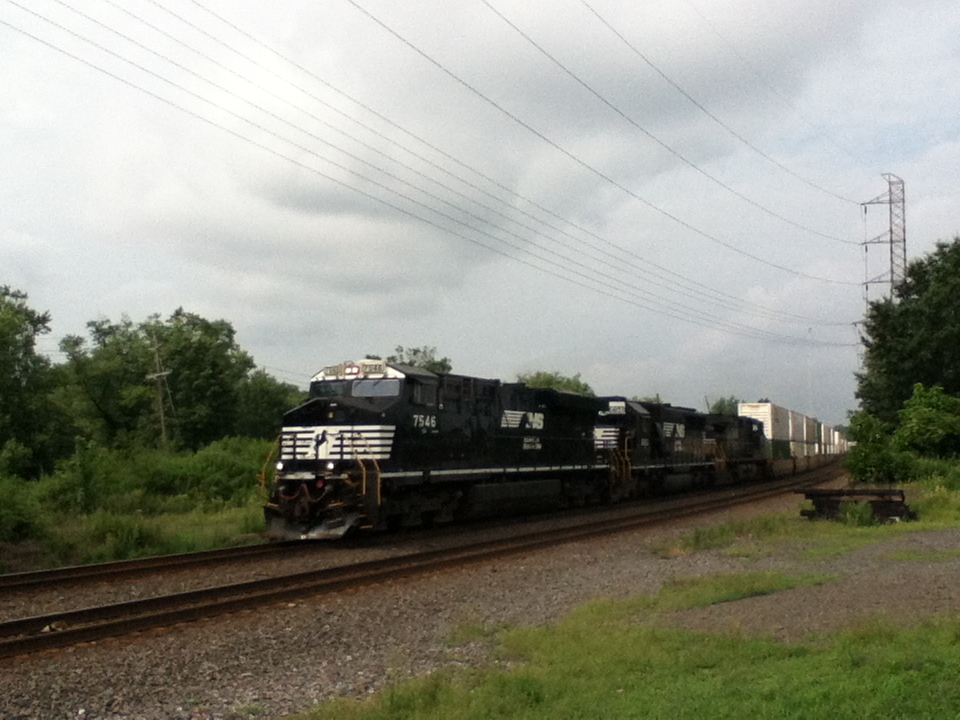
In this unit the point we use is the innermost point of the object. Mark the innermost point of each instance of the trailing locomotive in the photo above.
(382, 445)
(651, 446)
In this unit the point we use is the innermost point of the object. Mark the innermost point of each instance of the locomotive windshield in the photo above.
(365, 388)
(376, 388)
(328, 388)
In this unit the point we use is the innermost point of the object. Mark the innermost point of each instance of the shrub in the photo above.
(15, 459)
(155, 481)
(119, 537)
(226, 471)
(77, 484)
(19, 510)
(929, 423)
(857, 514)
(875, 458)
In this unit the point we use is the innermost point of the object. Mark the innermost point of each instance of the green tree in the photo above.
(422, 357)
(929, 423)
(725, 405)
(104, 384)
(556, 381)
(914, 337)
(27, 423)
(134, 384)
(261, 402)
(873, 456)
(206, 367)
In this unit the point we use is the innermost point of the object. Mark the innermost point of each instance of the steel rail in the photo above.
(33, 634)
(111, 571)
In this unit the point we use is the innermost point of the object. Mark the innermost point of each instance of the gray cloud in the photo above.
(431, 217)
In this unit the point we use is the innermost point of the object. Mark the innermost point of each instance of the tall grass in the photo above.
(102, 536)
(20, 515)
(104, 504)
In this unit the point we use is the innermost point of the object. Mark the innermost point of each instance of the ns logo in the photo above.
(520, 419)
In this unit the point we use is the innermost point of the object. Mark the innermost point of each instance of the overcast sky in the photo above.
(662, 196)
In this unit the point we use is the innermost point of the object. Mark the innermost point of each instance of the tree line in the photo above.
(182, 382)
(179, 382)
(909, 387)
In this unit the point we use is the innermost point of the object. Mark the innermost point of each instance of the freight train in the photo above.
(381, 446)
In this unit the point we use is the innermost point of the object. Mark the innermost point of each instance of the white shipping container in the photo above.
(797, 424)
(775, 419)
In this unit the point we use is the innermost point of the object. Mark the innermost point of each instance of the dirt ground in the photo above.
(902, 581)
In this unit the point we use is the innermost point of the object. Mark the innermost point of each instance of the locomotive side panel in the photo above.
(382, 445)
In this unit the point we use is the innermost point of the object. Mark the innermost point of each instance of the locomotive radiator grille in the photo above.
(337, 442)
(605, 438)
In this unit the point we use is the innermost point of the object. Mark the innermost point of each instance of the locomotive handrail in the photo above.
(262, 477)
(360, 460)
(363, 474)
(721, 459)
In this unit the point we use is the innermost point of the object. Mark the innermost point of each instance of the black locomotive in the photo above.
(381, 446)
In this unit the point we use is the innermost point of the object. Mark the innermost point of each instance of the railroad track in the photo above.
(28, 635)
(123, 569)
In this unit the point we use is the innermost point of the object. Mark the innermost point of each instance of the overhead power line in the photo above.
(633, 123)
(683, 223)
(566, 263)
(772, 89)
(607, 259)
(653, 66)
(694, 286)
(591, 279)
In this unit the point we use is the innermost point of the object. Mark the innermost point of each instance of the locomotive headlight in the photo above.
(279, 465)
(330, 465)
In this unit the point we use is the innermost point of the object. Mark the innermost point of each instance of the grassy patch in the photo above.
(936, 500)
(102, 536)
(470, 631)
(927, 556)
(600, 662)
(812, 539)
(937, 503)
(740, 533)
(684, 593)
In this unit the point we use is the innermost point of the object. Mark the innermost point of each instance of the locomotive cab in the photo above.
(331, 445)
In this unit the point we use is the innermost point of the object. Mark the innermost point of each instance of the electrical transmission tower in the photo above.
(895, 237)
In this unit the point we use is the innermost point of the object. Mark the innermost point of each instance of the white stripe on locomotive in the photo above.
(337, 442)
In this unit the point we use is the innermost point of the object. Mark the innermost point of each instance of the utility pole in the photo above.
(160, 378)
(895, 237)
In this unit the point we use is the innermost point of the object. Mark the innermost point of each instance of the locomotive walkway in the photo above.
(29, 635)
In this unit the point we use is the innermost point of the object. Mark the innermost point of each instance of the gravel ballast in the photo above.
(271, 661)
